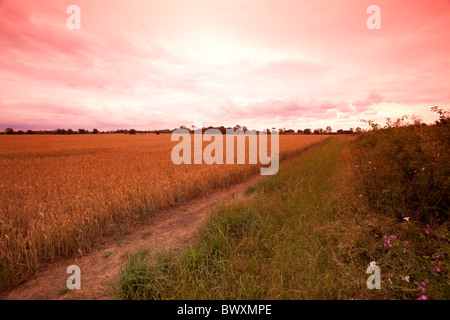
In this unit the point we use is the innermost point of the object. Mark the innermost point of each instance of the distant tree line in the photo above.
(81, 131)
(191, 129)
(328, 130)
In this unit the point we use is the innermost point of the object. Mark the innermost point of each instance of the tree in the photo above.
(444, 116)
(30, 132)
(81, 131)
(316, 131)
(69, 131)
(9, 131)
(132, 131)
(223, 130)
(328, 130)
(307, 131)
(358, 130)
(94, 131)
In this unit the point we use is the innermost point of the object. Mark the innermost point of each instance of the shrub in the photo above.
(403, 168)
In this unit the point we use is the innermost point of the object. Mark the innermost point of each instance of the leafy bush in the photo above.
(403, 168)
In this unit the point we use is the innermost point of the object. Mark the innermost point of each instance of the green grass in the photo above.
(146, 234)
(301, 234)
(63, 291)
(107, 255)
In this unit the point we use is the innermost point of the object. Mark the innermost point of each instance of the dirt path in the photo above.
(171, 228)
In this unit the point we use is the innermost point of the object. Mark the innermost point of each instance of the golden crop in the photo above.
(60, 193)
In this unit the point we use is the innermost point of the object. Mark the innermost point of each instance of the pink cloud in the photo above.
(371, 99)
(283, 109)
(147, 62)
(290, 68)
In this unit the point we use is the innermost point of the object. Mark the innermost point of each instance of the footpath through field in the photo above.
(170, 229)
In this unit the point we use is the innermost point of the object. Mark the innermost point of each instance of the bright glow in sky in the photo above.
(154, 64)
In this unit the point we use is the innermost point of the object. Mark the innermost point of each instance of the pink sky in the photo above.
(260, 63)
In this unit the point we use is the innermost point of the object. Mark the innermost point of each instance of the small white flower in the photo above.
(406, 278)
(373, 263)
(406, 219)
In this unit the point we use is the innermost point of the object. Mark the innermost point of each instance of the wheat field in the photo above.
(60, 193)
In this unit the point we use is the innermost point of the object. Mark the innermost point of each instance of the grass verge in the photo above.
(301, 234)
